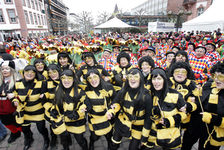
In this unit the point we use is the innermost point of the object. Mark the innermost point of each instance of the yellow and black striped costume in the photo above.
(117, 75)
(97, 105)
(147, 84)
(49, 97)
(128, 123)
(62, 122)
(188, 90)
(28, 97)
(213, 103)
(167, 135)
(81, 74)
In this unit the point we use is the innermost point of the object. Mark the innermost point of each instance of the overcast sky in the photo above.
(97, 6)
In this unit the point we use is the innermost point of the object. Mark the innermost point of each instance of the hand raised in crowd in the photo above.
(10, 95)
(16, 104)
(109, 115)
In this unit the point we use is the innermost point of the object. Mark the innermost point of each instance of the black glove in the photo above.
(88, 105)
(54, 113)
(118, 79)
(73, 115)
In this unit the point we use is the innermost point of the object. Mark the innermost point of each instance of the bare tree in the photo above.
(85, 21)
(102, 17)
(140, 13)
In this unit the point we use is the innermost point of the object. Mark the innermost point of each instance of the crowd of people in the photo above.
(155, 89)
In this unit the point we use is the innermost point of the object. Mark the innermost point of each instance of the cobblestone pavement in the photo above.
(101, 144)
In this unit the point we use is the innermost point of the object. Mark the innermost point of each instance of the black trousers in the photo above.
(40, 127)
(193, 132)
(133, 145)
(94, 137)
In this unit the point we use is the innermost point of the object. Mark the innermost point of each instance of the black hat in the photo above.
(212, 44)
(123, 54)
(147, 59)
(64, 54)
(185, 65)
(8, 63)
(126, 48)
(170, 52)
(53, 67)
(176, 48)
(151, 49)
(30, 67)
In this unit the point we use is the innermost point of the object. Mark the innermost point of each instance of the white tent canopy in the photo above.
(210, 20)
(113, 23)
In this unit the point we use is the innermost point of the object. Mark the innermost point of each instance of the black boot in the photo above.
(84, 145)
(46, 143)
(91, 145)
(53, 141)
(28, 141)
(114, 146)
(65, 147)
(14, 136)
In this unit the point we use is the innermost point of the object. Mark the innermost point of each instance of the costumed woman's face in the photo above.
(158, 82)
(146, 68)
(219, 80)
(54, 75)
(170, 57)
(39, 66)
(67, 81)
(134, 80)
(6, 72)
(93, 79)
(29, 75)
(63, 61)
(180, 74)
(123, 62)
(209, 48)
(180, 58)
(190, 48)
(89, 61)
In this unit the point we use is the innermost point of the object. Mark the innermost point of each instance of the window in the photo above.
(42, 19)
(31, 17)
(200, 11)
(28, 3)
(8, 1)
(12, 15)
(26, 17)
(40, 6)
(39, 19)
(24, 2)
(1, 17)
(35, 18)
(32, 3)
(36, 3)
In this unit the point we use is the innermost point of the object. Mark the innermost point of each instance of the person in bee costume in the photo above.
(41, 68)
(91, 63)
(146, 64)
(180, 79)
(99, 95)
(8, 78)
(51, 84)
(168, 112)
(29, 92)
(64, 114)
(119, 74)
(212, 112)
(65, 62)
(134, 107)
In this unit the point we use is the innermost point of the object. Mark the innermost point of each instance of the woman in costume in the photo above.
(168, 111)
(133, 106)
(41, 68)
(7, 82)
(29, 92)
(99, 95)
(212, 112)
(65, 116)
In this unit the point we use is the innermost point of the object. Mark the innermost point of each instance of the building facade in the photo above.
(22, 18)
(197, 7)
(158, 7)
(57, 17)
